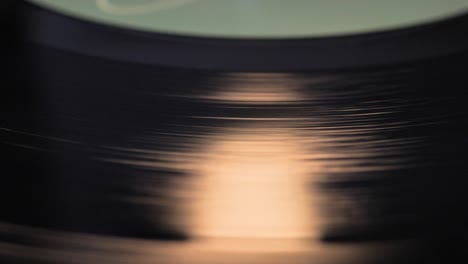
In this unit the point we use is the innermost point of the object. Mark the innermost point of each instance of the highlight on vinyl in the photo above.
(250, 131)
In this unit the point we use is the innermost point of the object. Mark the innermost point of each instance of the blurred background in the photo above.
(202, 131)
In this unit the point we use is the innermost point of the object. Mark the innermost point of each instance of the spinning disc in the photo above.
(125, 146)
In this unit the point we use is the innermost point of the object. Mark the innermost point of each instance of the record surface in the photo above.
(114, 160)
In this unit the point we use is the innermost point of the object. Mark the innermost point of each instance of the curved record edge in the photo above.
(55, 30)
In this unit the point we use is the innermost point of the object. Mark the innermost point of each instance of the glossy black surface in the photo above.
(114, 162)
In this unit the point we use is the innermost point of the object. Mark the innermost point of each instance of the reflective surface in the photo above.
(120, 163)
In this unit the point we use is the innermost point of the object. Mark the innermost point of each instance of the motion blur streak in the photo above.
(110, 162)
(46, 246)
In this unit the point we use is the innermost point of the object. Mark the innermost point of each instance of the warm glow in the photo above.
(260, 88)
(254, 185)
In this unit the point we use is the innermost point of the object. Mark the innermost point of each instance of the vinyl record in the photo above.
(127, 146)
